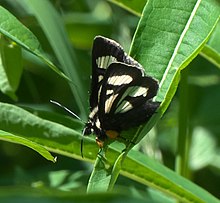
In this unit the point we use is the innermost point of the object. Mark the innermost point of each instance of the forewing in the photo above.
(105, 52)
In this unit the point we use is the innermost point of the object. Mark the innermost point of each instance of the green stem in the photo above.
(183, 134)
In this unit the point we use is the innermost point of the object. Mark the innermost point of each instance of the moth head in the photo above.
(88, 129)
(93, 127)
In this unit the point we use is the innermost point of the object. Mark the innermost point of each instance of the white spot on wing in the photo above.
(100, 77)
(141, 91)
(119, 79)
(97, 123)
(109, 92)
(133, 91)
(105, 61)
(99, 92)
(93, 112)
(109, 102)
(126, 106)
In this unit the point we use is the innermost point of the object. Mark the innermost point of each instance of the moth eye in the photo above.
(88, 129)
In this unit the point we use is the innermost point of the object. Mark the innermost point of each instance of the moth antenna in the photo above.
(81, 144)
(72, 113)
(68, 110)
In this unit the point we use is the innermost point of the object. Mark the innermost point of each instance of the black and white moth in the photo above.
(121, 95)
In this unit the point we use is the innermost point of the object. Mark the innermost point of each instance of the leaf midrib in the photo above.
(179, 42)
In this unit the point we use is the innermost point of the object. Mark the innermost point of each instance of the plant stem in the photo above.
(183, 140)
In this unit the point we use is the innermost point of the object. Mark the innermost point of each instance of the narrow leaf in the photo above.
(134, 6)
(211, 50)
(54, 137)
(211, 55)
(101, 176)
(19, 140)
(17, 32)
(10, 70)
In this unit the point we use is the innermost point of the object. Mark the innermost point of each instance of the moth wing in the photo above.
(105, 52)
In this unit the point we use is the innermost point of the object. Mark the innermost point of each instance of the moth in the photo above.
(121, 95)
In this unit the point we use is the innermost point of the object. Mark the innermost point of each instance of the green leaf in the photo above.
(52, 136)
(101, 176)
(13, 29)
(211, 55)
(104, 175)
(214, 40)
(19, 140)
(168, 37)
(147, 171)
(10, 70)
(211, 50)
(17, 32)
(51, 195)
(116, 169)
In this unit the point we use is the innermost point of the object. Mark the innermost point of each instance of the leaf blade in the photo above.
(169, 39)
(17, 32)
(22, 141)
(54, 137)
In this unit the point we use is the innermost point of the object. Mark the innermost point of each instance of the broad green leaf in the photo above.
(17, 32)
(134, 6)
(53, 27)
(147, 171)
(19, 140)
(10, 70)
(169, 35)
(54, 137)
